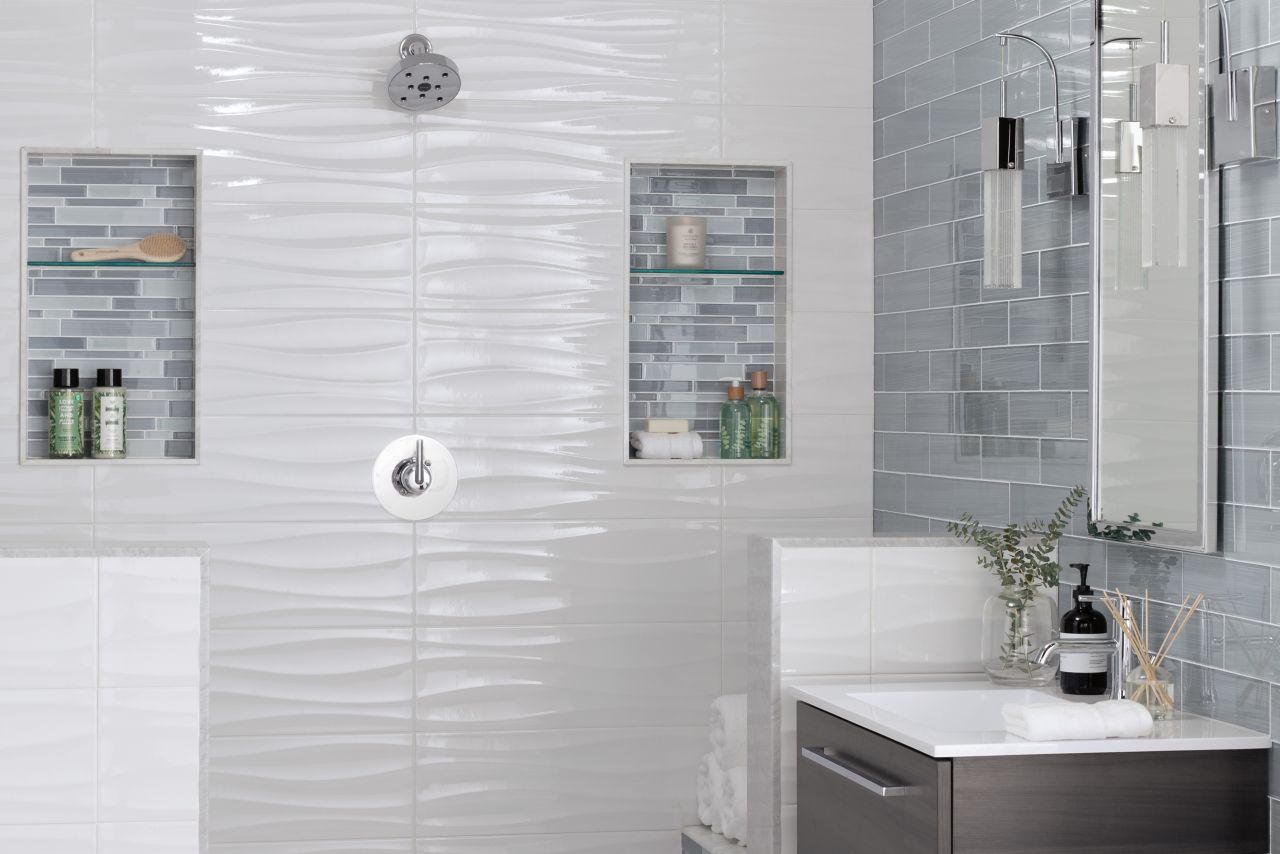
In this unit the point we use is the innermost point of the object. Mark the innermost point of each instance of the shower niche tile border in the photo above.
(686, 329)
(136, 316)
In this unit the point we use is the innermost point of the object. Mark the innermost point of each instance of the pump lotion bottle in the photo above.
(1084, 673)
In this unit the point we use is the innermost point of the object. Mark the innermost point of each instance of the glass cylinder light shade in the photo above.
(1129, 232)
(1166, 204)
(1002, 202)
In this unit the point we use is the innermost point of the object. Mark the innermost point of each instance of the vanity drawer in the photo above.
(860, 793)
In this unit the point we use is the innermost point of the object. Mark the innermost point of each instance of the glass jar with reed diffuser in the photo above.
(1154, 688)
(1150, 682)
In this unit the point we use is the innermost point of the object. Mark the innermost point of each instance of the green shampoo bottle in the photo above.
(735, 425)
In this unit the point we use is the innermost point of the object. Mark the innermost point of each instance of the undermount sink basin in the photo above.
(943, 719)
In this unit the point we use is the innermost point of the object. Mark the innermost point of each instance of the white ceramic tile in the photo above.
(44, 536)
(36, 117)
(284, 151)
(832, 281)
(47, 756)
(150, 621)
(32, 495)
(734, 671)
(542, 467)
(267, 469)
(270, 48)
(48, 838)
(149, 755)
(296, 575)
(350, 256)
(576, 781)
(826, 611)
(48, 622)
(293, 682)
(328, 846)
(550, 153)
(26, 62)
(818, 383)
(636, 674)
(306, 363)
(828, 475)
(579, 50)
(519, 258)
(796, 54)
(824, 143)
(318, 787)
(557, 573)
(496, 363)
(650, 842)
(149, 837)
(927, 610)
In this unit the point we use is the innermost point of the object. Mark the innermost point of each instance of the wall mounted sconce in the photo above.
(1128, 172)
(1002, 162)
(1165, 113)
(1244, 107)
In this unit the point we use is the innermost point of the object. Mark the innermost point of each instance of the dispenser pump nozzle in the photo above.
(1083, 588)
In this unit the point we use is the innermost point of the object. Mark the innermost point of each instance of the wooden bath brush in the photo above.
(162, 248)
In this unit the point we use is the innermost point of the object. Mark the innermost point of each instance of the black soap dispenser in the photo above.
(1084, 672)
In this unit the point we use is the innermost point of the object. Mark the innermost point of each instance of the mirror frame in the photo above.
(1205, 536)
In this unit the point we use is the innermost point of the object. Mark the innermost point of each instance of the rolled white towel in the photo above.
(729, 730)
(1067, 721)
(667, 446)
(715, 784)
(733, 816)
(704, 789)
(1125, 718)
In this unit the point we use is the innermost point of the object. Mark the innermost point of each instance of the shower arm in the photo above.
(1057, 91)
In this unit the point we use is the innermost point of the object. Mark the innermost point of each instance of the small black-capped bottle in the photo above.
(1084, 672)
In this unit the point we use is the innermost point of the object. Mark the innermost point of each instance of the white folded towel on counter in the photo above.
(715, 785)
(667, 446)
(1073, 721)
(704, 789)
(733, 814)
(729, 730)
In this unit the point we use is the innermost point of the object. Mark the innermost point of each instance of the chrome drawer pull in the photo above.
(828, 759)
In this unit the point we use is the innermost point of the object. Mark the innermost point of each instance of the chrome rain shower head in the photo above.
(423, 80)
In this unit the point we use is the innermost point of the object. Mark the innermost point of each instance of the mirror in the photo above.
(1154, 399)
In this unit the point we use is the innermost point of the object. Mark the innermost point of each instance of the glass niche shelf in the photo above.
(717, 271)
(134, 264)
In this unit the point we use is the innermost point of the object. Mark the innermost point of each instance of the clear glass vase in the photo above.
(1159, 695)
(1015, 623)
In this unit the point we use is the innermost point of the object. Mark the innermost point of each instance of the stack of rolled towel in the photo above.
(722, 775)
(1067, 721)
(667, 439)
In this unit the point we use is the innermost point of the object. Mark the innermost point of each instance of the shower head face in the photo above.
(423, 80)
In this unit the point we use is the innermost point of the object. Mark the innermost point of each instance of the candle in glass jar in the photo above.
(686, 242)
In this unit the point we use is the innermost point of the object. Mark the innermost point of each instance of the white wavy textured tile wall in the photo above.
(629, 675)
(25, 58)
(48, 623)
(283, 151)
(544, 467)
(291, 682)
(573, 781)
(275, 256)
(259, 470)
(48, 838)
(263, 49)
(557, 573)
(307, 363)
(550, 153)
(34, 495)
(519, 258)
(46, 756)
(499, 363)
(651, 842)
(581, 50)
(273, 789)
(328, 846)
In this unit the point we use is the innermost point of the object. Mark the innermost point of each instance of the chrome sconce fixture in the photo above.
(1244, 107)
(1165, 114)
(1128, 172)
(1002, 162)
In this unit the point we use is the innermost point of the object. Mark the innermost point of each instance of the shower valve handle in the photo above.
(413, 475)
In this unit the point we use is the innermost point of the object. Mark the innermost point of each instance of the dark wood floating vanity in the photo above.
(861, 793)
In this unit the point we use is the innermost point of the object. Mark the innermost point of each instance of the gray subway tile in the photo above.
(1225, 696)
(890, 412)
(1010, 368)
(1011, 459)
(1139, 570)
(1040, 321)
(890, 333)
(1046, 414)
(998, 15)
(955, 114)
(932, 246)
(1063, 462)
(1064, 271)
(1229, 587)
(1246, 476)
(947, 498)
(955, 456)
(1251, 419)
(1252, 648)
(889, 96)
(890, 491)
(930, 412)
(907, 48)
(955, 370)
(888, 175)
(1251, 306)
(1064, 366)
(906, 452)
(931, 81)
(1246, 249)
(983, 413)
(1032, 502)
(955, 29)
(905, 291)
(890, 254)
(982, 325)
(930, 163)
(905, 211)
(906, 372)
(931, 329)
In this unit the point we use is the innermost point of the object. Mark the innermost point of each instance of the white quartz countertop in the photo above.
(963, 718)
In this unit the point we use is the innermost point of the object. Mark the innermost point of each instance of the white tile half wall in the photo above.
(529, 673)
(102, 686)
(828, 610)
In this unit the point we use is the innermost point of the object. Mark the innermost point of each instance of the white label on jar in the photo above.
(1085, 662)
(111, 434)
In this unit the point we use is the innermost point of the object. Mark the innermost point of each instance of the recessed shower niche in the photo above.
(126, 313)
(690, 327)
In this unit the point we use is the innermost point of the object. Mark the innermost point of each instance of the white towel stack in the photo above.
(667, 446)
(1069, 721)
(722, 775)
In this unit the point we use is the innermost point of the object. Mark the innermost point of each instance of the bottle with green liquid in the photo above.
(735, 425)
(66, 415)
(766, 419)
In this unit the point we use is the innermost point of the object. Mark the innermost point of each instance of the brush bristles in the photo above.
(163, 245)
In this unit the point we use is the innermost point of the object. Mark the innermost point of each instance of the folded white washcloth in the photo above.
(1070, 721)
(667, 446)
(1125, 718)
(733, 815)
(729, 730)
(715, 784)
(704, 789)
